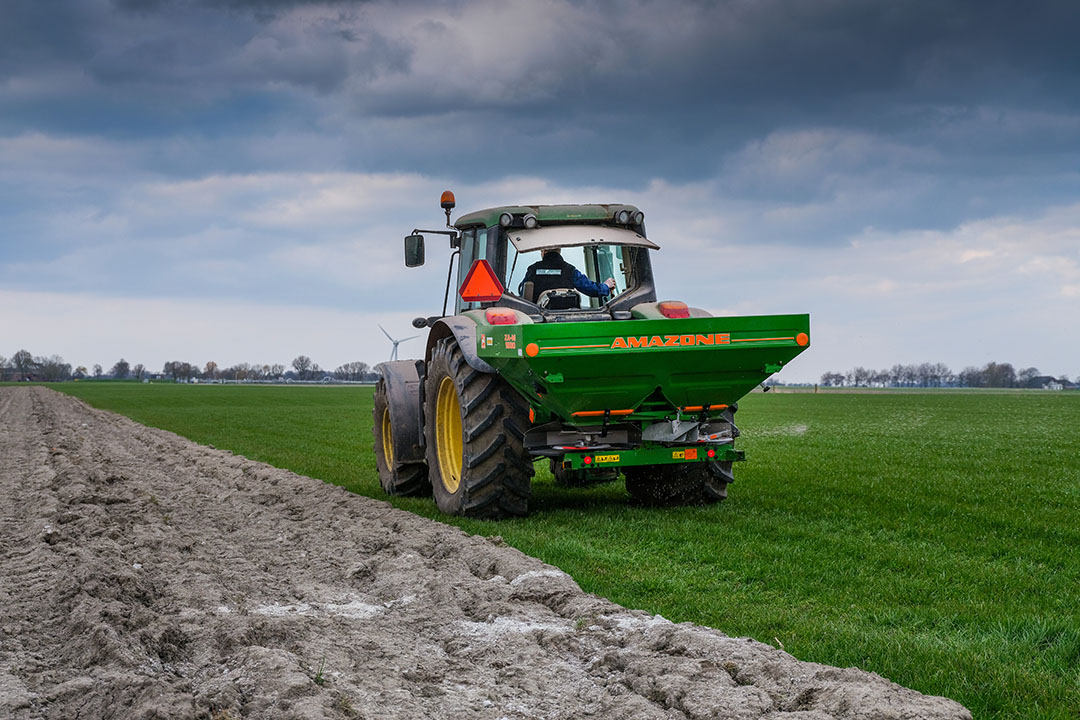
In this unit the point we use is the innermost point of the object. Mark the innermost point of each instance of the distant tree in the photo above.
(924, 373)
(210, 372)
(276, 371)
(121, 369)
(240, 371)
(23, 364)
(80, 372)
(139, 371)
(942, 375)
(98, 372)
(1000, 375)
(1025, 377)
(302, 365)
(352, 371)
(53, 368)
(971, 377)
(179, 370)
(832, 379)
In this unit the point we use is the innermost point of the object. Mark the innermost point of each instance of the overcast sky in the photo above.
(230, 180)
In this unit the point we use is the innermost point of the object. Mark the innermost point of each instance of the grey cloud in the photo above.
(944, 107)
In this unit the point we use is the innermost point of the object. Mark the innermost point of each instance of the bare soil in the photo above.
(145, 576)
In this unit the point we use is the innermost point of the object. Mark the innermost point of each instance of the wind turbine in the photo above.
(393, 353)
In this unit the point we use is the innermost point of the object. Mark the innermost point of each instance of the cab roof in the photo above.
(544, 213)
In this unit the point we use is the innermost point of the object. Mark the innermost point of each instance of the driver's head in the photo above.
(557, 251)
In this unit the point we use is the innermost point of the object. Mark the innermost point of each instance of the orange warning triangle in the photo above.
(481, 284)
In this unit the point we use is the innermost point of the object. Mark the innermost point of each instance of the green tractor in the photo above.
(535, 363)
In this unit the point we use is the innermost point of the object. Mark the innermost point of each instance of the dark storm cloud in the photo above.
(955, 103)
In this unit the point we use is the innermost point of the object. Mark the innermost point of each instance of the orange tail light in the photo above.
(673, 309)
(501, 316)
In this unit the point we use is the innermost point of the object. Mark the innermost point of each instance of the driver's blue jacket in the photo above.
(582, 283)
(587, 286)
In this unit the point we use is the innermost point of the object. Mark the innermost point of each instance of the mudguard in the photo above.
(404, 393)
(462, 328)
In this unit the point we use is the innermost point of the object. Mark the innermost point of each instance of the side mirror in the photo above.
(414, 250)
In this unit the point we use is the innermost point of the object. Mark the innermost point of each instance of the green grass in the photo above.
(932, 538)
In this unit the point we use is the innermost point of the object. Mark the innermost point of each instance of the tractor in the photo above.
(598, 385)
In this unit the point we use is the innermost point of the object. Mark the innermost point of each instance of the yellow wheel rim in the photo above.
(449, 443)
(387, 439)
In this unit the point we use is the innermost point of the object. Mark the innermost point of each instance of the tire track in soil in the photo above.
(145, 576)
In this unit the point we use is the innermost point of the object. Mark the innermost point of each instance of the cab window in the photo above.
(475, 245)
(596, 262)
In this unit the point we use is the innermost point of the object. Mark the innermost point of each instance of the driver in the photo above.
(552, 272)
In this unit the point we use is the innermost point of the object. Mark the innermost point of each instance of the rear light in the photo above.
(587, 460)
(674, 309)
(711, 453)
(501, 316)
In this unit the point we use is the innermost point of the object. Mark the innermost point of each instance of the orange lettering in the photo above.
(619, 343)
(655, 341)
(723, 339)
(686, 340)
(704, 339)
(671, 340)
(638, 342)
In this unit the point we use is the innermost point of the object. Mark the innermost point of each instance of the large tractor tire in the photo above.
(474, 429)
(395, 476)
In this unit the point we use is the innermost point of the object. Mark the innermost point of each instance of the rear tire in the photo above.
(396, 478)
(474, 431)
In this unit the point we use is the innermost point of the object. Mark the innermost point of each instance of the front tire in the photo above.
(396, 477)
(474, 430)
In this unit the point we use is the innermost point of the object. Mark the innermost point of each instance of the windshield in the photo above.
(596, 263)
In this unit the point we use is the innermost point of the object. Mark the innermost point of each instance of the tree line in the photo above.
(991, 375)
(23, 366)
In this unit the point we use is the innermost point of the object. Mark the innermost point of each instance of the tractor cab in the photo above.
(497, 247)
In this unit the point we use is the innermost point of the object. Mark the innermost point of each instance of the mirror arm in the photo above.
(452, 234)
(449, 276)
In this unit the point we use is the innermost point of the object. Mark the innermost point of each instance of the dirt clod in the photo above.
(145, 576)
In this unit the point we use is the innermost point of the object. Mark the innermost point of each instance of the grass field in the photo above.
(932, 538)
